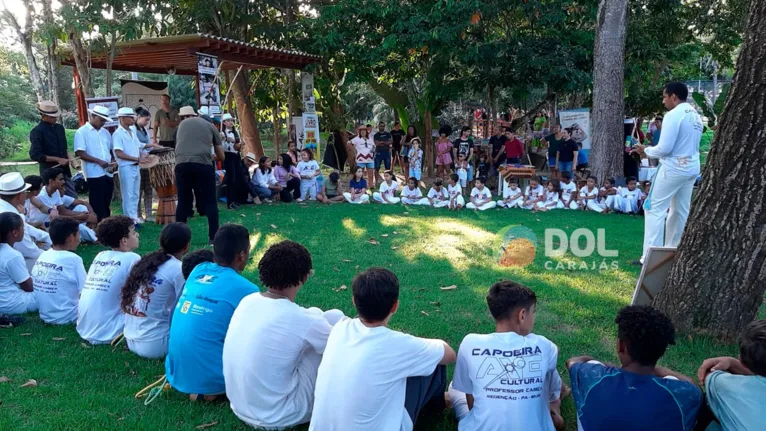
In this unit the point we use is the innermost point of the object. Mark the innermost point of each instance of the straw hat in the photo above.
(12, 183)
(187, 111)
(100, 111)
(46, 107)
(126, 112)
(251, 157)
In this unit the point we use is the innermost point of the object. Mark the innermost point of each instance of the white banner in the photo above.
(307, 91)
(296, 132)
(579, 121)
(207, 83)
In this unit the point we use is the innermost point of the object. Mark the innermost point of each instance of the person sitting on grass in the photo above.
(639, 395)
(100, 319)
(270, 328)
(736, 388)
(533, 194)
(588, 198)
(375, 378)
(455, 192)
(36, 213)
(437, 196)
(412, 195)
(551, 198)
(191, 260)
(513, 196)
(59, 274)
(16, 288)
(264, 184)
(357, 189)
(629, 199)
(150, 293)
(568, 191)
(52, 195)
(607, 195)
(388, 188)
(332, 189)
(481, 197)
(514, 358)
(194, 364)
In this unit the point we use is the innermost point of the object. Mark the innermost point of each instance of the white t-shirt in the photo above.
(454, 191)
(308, 168)
(54, 200)
(13, 270)
(96, 143)
(127, 141)
(412, 193)
(100, 317)
(534, 193)
(438, 196)
(604, 189)
(364, 148)
(265, 180)
(634, 194)
(269, 380)
(482, 194)
(679, 145)
(363, 377)
(551, 197)
(149, 319)
(388, 190)
(509, 192)
(567, 190)
(507, 374)
(59, 277)
(585, 193)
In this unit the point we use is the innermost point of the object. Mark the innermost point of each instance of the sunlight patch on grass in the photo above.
(351, 227)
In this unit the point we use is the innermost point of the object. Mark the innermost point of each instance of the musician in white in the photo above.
(128, 151)
(667, 206)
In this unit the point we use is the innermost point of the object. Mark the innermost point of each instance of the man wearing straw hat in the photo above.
(195, 174)
(127, 151)
(13, 193)
(93, 145)
(49, 145)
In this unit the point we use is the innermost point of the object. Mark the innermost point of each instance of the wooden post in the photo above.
(82, 107)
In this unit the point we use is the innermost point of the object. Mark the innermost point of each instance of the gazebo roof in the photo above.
(158, 55)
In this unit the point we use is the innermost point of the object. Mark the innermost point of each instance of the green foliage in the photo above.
(17, 100)
(709, 109)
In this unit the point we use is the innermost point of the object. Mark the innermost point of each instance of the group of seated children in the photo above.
(281, 364)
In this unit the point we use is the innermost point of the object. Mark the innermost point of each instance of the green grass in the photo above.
(91, 388)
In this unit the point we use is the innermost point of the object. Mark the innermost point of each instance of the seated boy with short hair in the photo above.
(507, 380)
(191, 260)
(270, 328)
(639, 395)
(736, 388)
(375, 378)
(212, 292)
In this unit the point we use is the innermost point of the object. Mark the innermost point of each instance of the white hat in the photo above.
(12, 183)
(126, 112)
(227, 116)
(204, 110)
(46, 107)
(101, 111)
(186, 111)
(251, 156)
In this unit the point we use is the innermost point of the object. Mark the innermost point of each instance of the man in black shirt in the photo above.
(49, 145)
(397, 135)
(497, 146)
(383, 141)
(554, 141)
(464, 145)
(567, 153)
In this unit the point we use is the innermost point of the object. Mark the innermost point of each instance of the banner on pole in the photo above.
(207, 81)
(307, 91)
(579, 121)
(311, 132)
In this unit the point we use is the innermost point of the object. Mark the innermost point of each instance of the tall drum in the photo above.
(163, 179)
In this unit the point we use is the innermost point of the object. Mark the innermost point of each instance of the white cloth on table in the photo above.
(360, 199)
(95, 143)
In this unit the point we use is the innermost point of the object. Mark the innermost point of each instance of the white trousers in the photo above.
(516, 203)
(130, 184)
(528, 206)
(309, 189)
(559, 205)
(86, 234)
(362, 199)
(409, 201)
(27, 304)
(149, 349)
(611, 202)
(627, 205)
(440, 204)
(482, 207)
(593, 205)
(459, 201)
(667, 208)
(379, 198)
(572, 205)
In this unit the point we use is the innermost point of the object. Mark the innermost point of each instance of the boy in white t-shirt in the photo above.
(588, 199)
(455, 192)
(513, 197)
(437, 196)
(151, 292)
(533, 194)
(630, 198)
(607, 195)
(270, 328)
(374, 378)
(481, 197)
(412, 195)
(59, 274)
(16, 288)
(99, 317)
(568, 191)
(507, 380)
(388, 188)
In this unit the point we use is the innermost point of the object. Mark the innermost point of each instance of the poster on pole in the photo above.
(207, 81)
(112, 103)
(579, 121)
(307, 91)
(296, 132)
(311, 132)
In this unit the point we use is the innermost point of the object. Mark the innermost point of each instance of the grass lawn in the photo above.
(83, 387)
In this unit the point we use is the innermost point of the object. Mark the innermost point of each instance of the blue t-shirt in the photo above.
(582, 158)
(194, 364)
(737, 401)
(610, 398)
(357, 186)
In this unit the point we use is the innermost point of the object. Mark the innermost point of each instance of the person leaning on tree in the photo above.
(49, 145)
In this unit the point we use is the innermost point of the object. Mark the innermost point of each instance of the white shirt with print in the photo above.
(153, 305)
(438, 196)
(415, 193)
(509, 192)
(585, 193)
(481, 195)
(388, 190)
(568, 190)
(13, 270)
(534, 193)
(308, 168)
(59, 277)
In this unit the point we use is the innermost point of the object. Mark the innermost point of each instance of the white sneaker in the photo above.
(299, 200)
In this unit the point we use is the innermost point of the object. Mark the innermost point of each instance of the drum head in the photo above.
(160, 150)
(151, 161)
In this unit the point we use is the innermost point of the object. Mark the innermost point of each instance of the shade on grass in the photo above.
(83, 387)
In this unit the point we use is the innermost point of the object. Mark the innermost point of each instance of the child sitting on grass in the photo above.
(411, 195)
(507, 380)
(639, 394)
(608, 195)
(588, 199)
(736, 388)
(17, 294)
(551, 198)
(357, 189)
(388, 189)
(455, 192)
(568, 191)
(533, 194)
(437, 196)
(100, 319)
(513, 197)
(629, 199)
(332, 189)
(481, 197)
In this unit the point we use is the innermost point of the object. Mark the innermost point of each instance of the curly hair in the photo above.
(646, 332)
(285, 264)
(111, 230)
(174, 238)
(445, 130)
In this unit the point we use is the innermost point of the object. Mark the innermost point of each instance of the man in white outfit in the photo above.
(678, 152)
(127, 151)
(13, 193)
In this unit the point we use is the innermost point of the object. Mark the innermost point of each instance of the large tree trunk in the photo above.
(80, 54)
(246, 114)
(608, 97)
(109, 61)
(717, 281)
(51, 42)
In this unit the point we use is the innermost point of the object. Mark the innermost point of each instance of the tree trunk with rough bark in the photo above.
(51, 43)
(80, 54)
(246, 114)
(718, 278)
(109, 61)
(608, 96)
